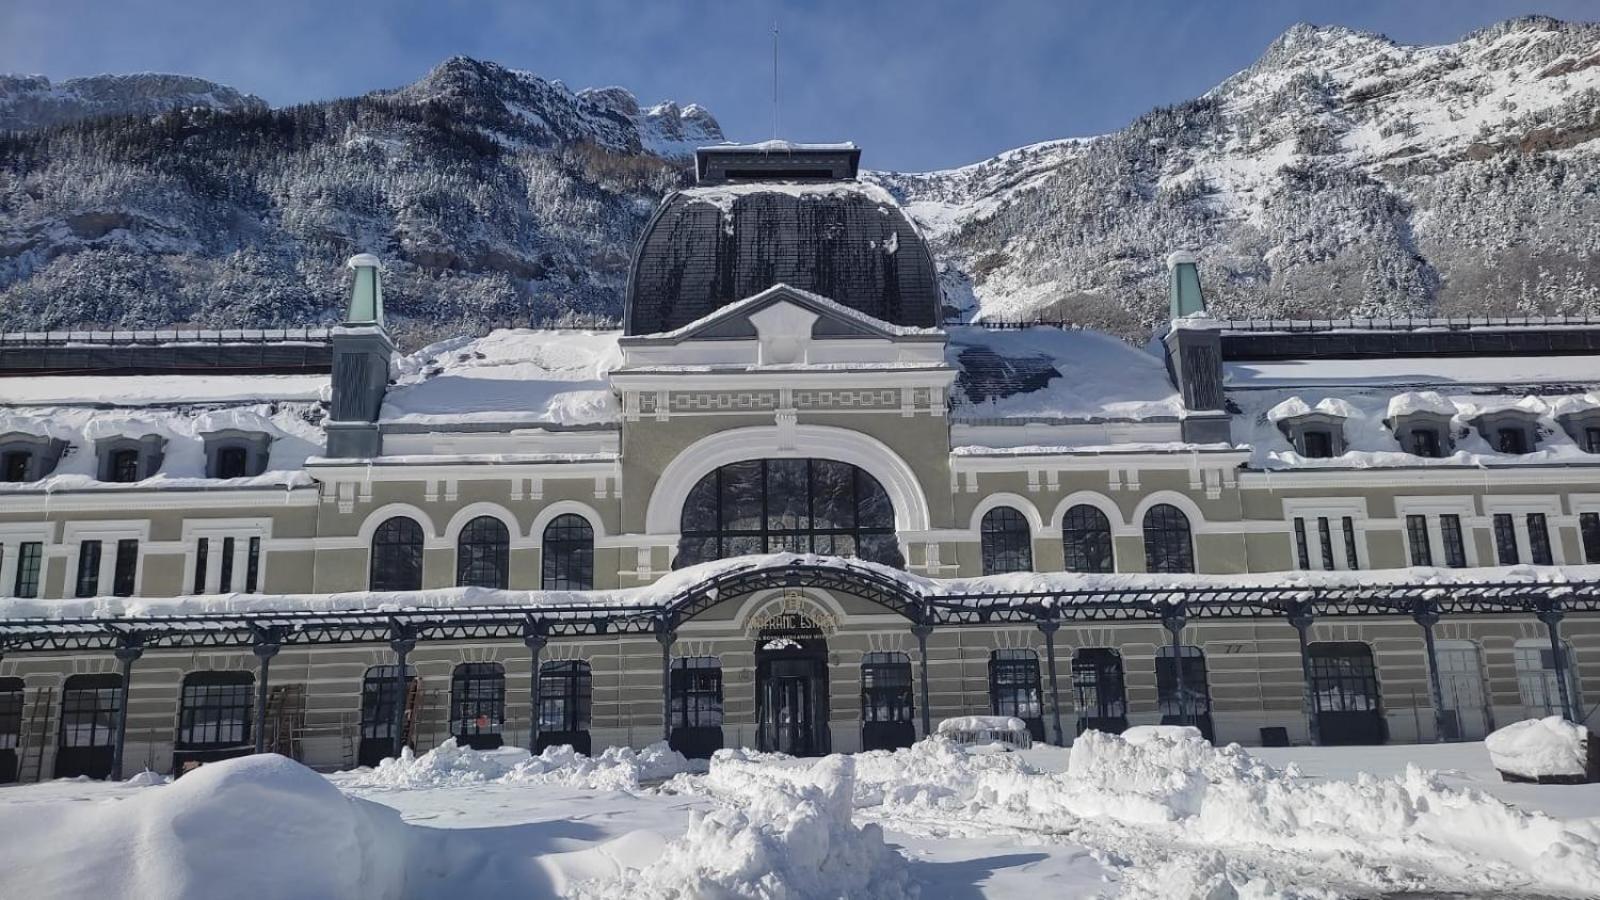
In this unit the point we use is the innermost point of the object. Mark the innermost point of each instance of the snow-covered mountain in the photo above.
(493, 195)
(32, 101)
(1342, 173)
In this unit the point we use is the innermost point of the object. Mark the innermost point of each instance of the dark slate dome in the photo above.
(793, 215)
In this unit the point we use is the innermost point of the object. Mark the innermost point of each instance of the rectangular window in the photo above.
(1319, 444)
(202, 549)
(252, 567)
(1455, 548)
(1325, 537)
(226, 563)
(88, 569)
(1588, 527)
(1591, 440)
(1505, 539)
(14, 466)
(1300, 543)
(1425, 442)
(30, 555)
(1539, 540)
(1417, 536)
(125, 466)
(1510, 440)
(127, 567)
(10, 713)
(1351, 559)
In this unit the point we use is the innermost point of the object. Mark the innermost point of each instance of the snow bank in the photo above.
(1179, 790)
(451, 765)
(258, 826)
(786, 834)
(982, 723)
(1540, 748)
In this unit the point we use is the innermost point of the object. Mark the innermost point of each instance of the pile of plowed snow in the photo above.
(786, 834)
(1184, 791)
(451, 765)
(259, 826)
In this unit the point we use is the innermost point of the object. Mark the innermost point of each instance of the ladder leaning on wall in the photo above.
(35, 736)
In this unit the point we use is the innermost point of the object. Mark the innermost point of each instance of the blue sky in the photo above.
(919, 84)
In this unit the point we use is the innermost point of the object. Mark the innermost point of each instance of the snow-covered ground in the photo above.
(1156, 816)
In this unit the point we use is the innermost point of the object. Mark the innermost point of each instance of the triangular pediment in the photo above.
(785, 308)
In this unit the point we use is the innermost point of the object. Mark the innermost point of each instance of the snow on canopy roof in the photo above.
(1371, 444)
(671, 585)
(1053, 373)
(510, 376)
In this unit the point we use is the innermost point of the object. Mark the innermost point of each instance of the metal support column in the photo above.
(1551, 614)
(402, 642)
(1301, 618)
(666, 638)
(1049, 627)
(921, 631)
(1173, 619)
(533, 637)
(1426, 615)
(266, 646)
(132, 648)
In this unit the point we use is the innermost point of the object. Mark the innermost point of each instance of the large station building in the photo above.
(789, 506)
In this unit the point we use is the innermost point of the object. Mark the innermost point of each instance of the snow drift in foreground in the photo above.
(1181, 792)
(451, 765)
(258, 826)
(786, 835)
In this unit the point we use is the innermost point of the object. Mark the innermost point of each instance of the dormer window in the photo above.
(1510, 440)
(124, 460)
(28, 457)
(15, 464)
(232, 453)
(124, 466)
(1583, 426)
(1317, 443)
(1510, 431)
(1315, 433)
(1424, 442)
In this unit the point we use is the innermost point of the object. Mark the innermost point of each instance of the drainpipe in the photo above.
(533, 637)
(921, 630)
(1173, 619)
(402, 642)
(1551, 614)
(1426, 615)
(132, 648)
(267, 644)
(666, 639)
(1301, 618)
(1049, 627)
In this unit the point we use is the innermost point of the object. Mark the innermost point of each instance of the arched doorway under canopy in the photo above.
(788, 505)
(792, 687)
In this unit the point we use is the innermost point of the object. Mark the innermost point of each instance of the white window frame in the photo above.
(108, 533)
(1518, 508)
(214, 531)
(12, 536)
(1335, 510)
(1432, 508)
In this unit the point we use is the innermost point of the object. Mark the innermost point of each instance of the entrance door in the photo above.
(792, 689)
(1344, 684)
(1461, 684)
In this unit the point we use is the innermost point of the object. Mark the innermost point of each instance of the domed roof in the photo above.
(715, 244)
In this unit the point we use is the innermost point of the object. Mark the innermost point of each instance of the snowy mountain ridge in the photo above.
(33, 101)
(1341, 173)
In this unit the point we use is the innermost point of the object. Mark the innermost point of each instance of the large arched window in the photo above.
(482, 553)
(1006, 541)
(1086, 538)
(796, 505)
(568, 550)
(396, 556)
(1167, 544)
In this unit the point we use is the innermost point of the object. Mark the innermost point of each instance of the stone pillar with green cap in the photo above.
(361, 354)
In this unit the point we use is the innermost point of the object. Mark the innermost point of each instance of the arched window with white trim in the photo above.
(396, 559)
(1086, 540)
(483, 553)
(1006, 541)
(1168, 544)
(568, 551)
